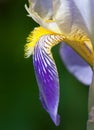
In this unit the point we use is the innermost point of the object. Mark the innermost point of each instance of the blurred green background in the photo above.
(20, 108)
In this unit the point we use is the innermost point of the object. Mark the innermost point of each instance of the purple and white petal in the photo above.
(47, 77)
(76, 65)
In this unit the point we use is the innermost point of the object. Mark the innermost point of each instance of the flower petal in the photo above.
(41, 7)
(76, 65)
(68, 17)
(42, 12)
(91, 23)
(86, 8)
(47, 77)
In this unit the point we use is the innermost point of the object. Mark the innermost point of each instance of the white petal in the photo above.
(91, 23)
(68, 17)
(42, 7)
(86, 8)
(50, 25)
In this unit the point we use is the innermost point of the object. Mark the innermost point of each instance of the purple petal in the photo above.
(76, 65)
(47, 78)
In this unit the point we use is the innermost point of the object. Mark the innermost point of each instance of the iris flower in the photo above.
(71, 24)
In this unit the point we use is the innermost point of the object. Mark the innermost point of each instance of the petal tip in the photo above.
(54, 116)
(56, 119)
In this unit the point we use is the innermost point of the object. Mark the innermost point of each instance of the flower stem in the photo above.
(90, 122)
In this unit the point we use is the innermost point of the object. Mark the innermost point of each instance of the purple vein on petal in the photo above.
(47, 78)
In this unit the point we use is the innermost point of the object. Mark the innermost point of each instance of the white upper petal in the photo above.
(86, 8)
(42, 7)
(91, 20)
(68, 15)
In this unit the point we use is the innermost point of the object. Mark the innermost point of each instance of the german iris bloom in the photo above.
(70, 23)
